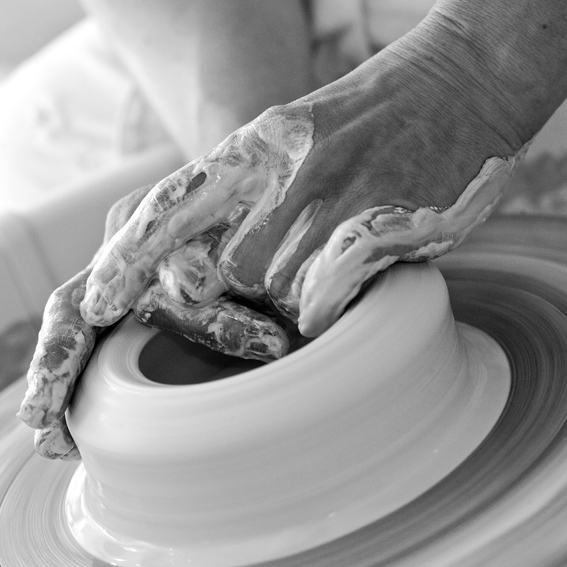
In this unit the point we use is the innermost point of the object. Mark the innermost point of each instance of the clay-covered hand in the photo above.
(65, 343)
(188, 303)
(399, 160)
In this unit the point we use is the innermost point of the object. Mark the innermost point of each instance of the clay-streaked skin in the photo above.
(240, 171)
(378, 237)
(66, 340)
(222, 325)
(65, 343)
(288, 305)
(371, 139)
(64, 346)
(256, 165)
(56, 442)
(190, 274)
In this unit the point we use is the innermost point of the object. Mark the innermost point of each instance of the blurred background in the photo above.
(27, 25)
(58, 165)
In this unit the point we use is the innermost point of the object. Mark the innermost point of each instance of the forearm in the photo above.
(517, 49)
(209, 66)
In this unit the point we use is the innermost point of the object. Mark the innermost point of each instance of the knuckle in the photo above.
(119, 214)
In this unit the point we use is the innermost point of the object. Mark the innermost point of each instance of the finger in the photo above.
(297, 251)
(288, 303)
(248, 255)
(370, 242)
(122, 210)
(257, 164)
(283, 279)
(65, 340)
(65, 343)
(55, 442)
(326, 282)
(311, 199)
(223, 325)
(190, 274)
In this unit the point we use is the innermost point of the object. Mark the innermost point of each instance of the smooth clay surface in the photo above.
(281, 458)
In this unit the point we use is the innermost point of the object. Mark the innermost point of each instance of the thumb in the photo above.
(376, 238)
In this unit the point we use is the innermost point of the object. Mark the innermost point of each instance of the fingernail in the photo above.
(55, 442)
(267, 346)
(95, 309)
(322, 298)
(310, 326)
(315, 317)
(30, 416)
(33, 410)
(72, 455)
(89, 305)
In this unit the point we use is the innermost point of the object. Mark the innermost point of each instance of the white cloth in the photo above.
(67, 112)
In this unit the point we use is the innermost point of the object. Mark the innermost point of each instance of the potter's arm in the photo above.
(209, 66)
(518, 51)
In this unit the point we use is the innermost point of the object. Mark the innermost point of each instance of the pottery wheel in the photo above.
(506, 504)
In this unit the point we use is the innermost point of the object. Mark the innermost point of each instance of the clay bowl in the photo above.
(195, 458)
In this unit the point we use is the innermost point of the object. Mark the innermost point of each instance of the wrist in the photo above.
(510, 55)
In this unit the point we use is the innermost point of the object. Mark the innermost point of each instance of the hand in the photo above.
(399, 160)
(187, 304)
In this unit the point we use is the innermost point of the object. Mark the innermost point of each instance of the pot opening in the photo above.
(169, 358)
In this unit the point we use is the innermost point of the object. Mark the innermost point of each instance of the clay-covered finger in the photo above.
(254, 165)
(283, 279)
(55, 442)
(373, 240)
(190, 274)
(122, 210)
(358, 249)
(65, 340)
(223, 325)
(65, 343)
